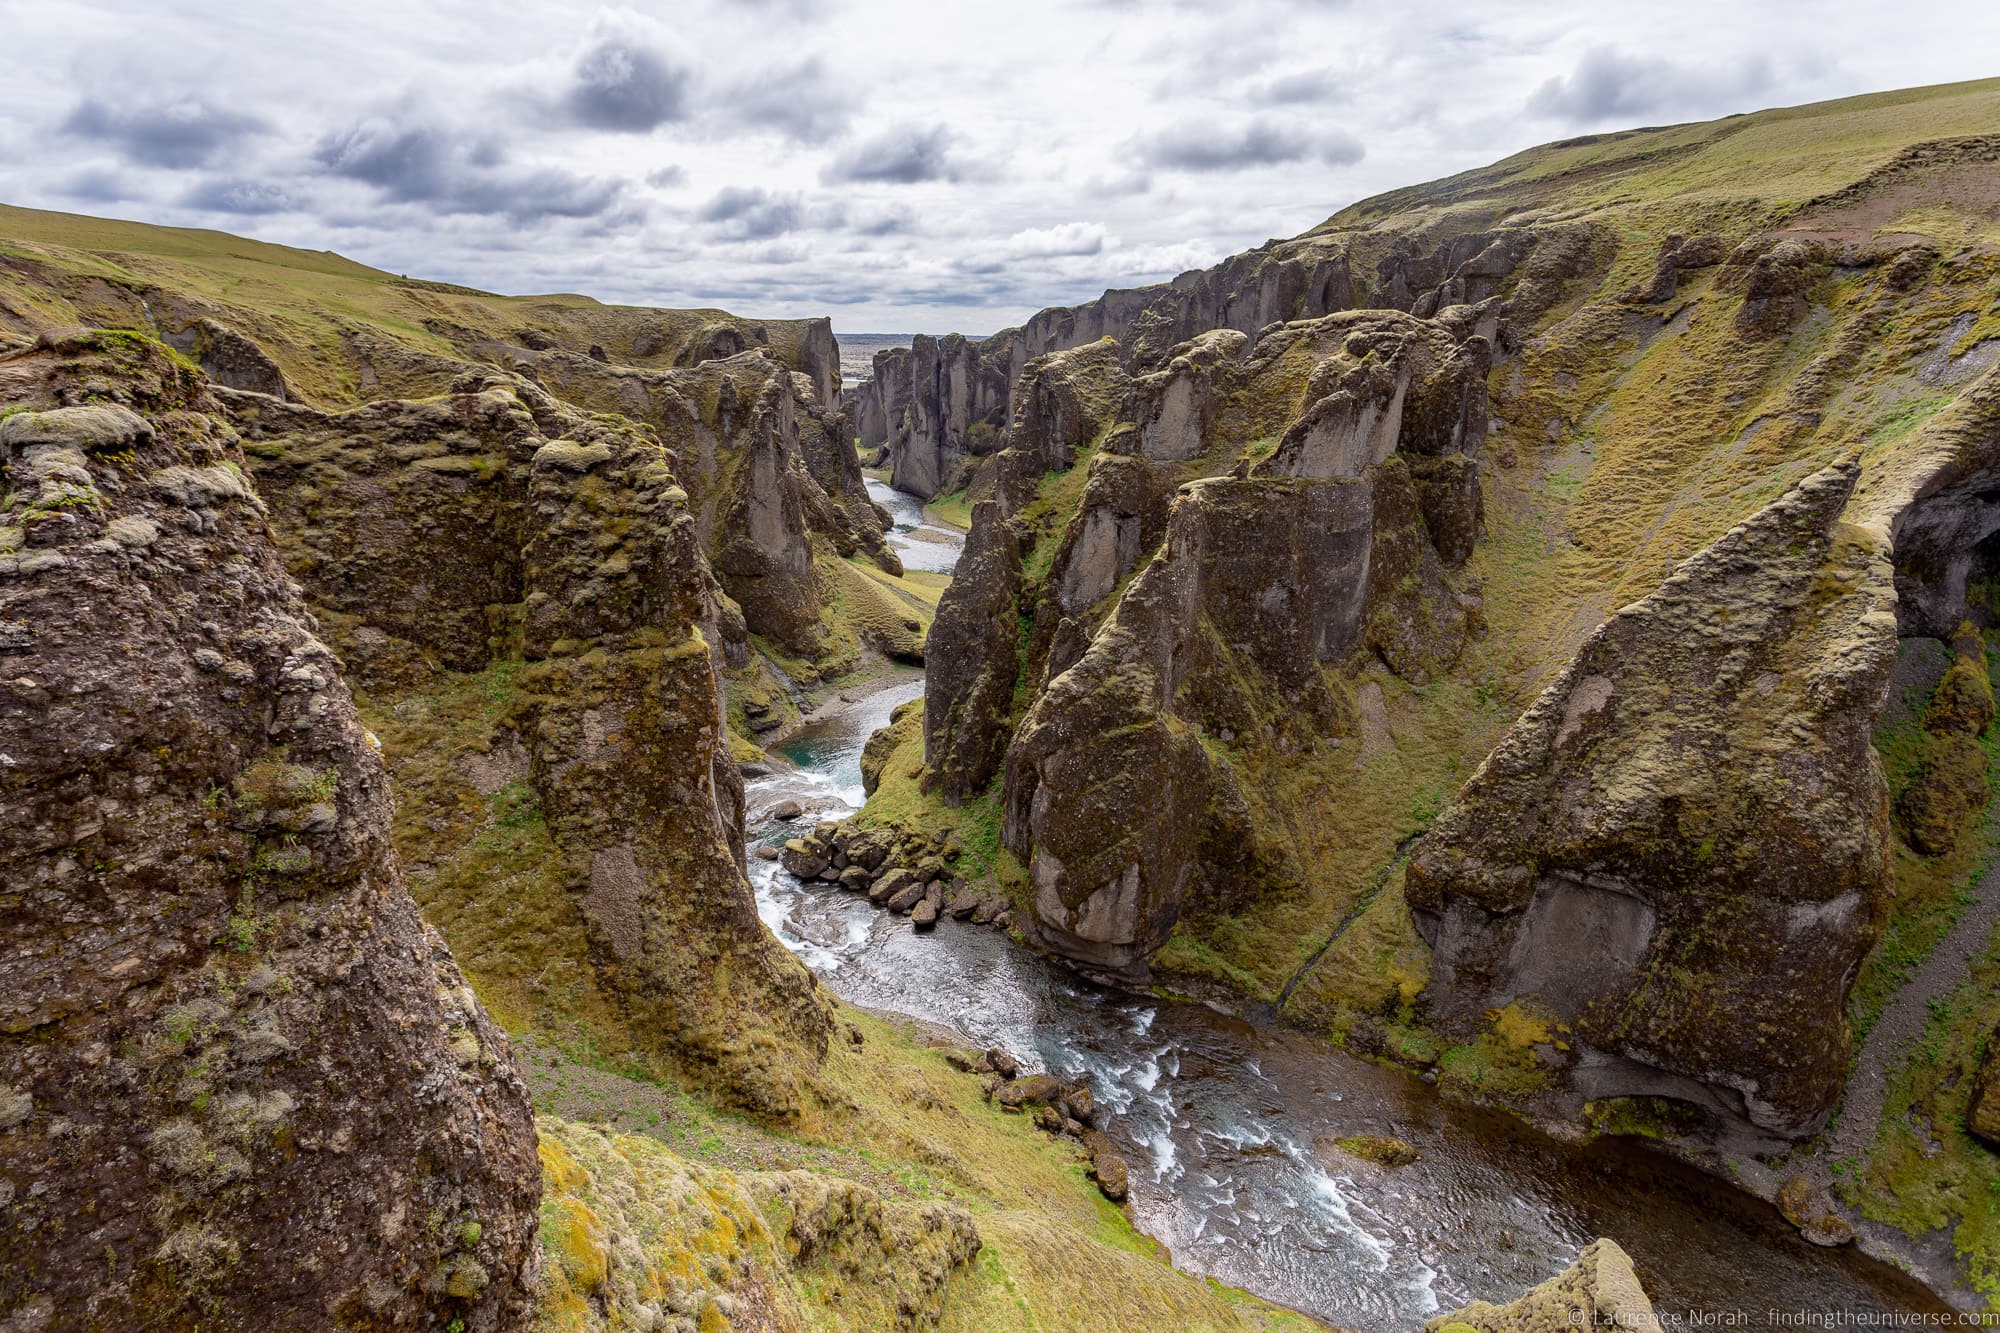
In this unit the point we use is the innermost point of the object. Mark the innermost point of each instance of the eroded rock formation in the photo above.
(1680, 852)
(241, 1083)
(584, 546)
(926, 404)
(1168, 632)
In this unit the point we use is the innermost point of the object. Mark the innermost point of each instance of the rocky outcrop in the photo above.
(642, 1238)
(1680, 852)
(1122, 814)
(1121, 797)
(954, 406)
(924, 404)
(972, 664)
(1064, 405)
(1599, 1290)
(242, 1085)
(1176, 406)
(230, 359)
(585, 547)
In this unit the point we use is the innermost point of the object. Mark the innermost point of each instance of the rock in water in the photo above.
(1680, 853)
(1379, 1149)
(1599, 1290)
(1107, 1164)
(242, 1085)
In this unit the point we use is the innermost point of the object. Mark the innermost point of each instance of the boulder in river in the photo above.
(1107, 1165)
(1379, 1149)
(803, 858)
(1807, 1205)
(1034, 1090)
(787, 810)
(892, 884)
(925, 915)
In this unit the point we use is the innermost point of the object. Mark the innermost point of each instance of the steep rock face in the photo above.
(1247, 294)
(1680, 852)
(1064, 405)
(770, 471)
(244, 1085)
(1176, 407)
(586, 549)
(1126, 794)
(1599, 1290)
(1115, 801)
(230, 359)
(969, 681)
(954, 405)
(1120, 520)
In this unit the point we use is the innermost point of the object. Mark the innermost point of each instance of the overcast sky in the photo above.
(900, 166)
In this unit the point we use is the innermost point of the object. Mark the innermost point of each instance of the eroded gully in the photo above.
(1231, 1128)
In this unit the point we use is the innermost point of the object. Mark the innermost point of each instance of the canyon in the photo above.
(1519, 648)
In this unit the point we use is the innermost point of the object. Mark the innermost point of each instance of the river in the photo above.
(1230, 1127)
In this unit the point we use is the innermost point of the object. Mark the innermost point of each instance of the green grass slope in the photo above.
(342, 332)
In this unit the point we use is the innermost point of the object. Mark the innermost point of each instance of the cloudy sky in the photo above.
(900, 166)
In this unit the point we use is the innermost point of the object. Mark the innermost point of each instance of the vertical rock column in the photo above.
(242, 1085)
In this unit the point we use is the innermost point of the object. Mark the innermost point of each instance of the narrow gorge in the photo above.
(1438, 772)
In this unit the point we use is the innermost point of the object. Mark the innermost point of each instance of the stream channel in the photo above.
(1230, 1127)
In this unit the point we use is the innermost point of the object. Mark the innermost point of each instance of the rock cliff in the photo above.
(241, 1083)
(1173, 640)
(586, 570)
(1679, 855)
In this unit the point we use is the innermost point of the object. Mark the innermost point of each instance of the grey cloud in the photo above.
(753, 215)
(901, 155)
(667, 177)
(1608, 84)
(459, 174)
(244, 197)
(163, 134)
(801, 103)
(95, 185)
(885, 224)
(1304, 87)
(1197, 146)
(623, 85)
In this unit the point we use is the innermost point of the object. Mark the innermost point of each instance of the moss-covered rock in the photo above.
(1681, 849)
(1599, 1290)
(567, 545)
(632, 1233)
(242, 1085)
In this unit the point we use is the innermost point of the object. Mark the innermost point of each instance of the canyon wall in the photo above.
(1280, 586)
(241, 1082)
(499, 525)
